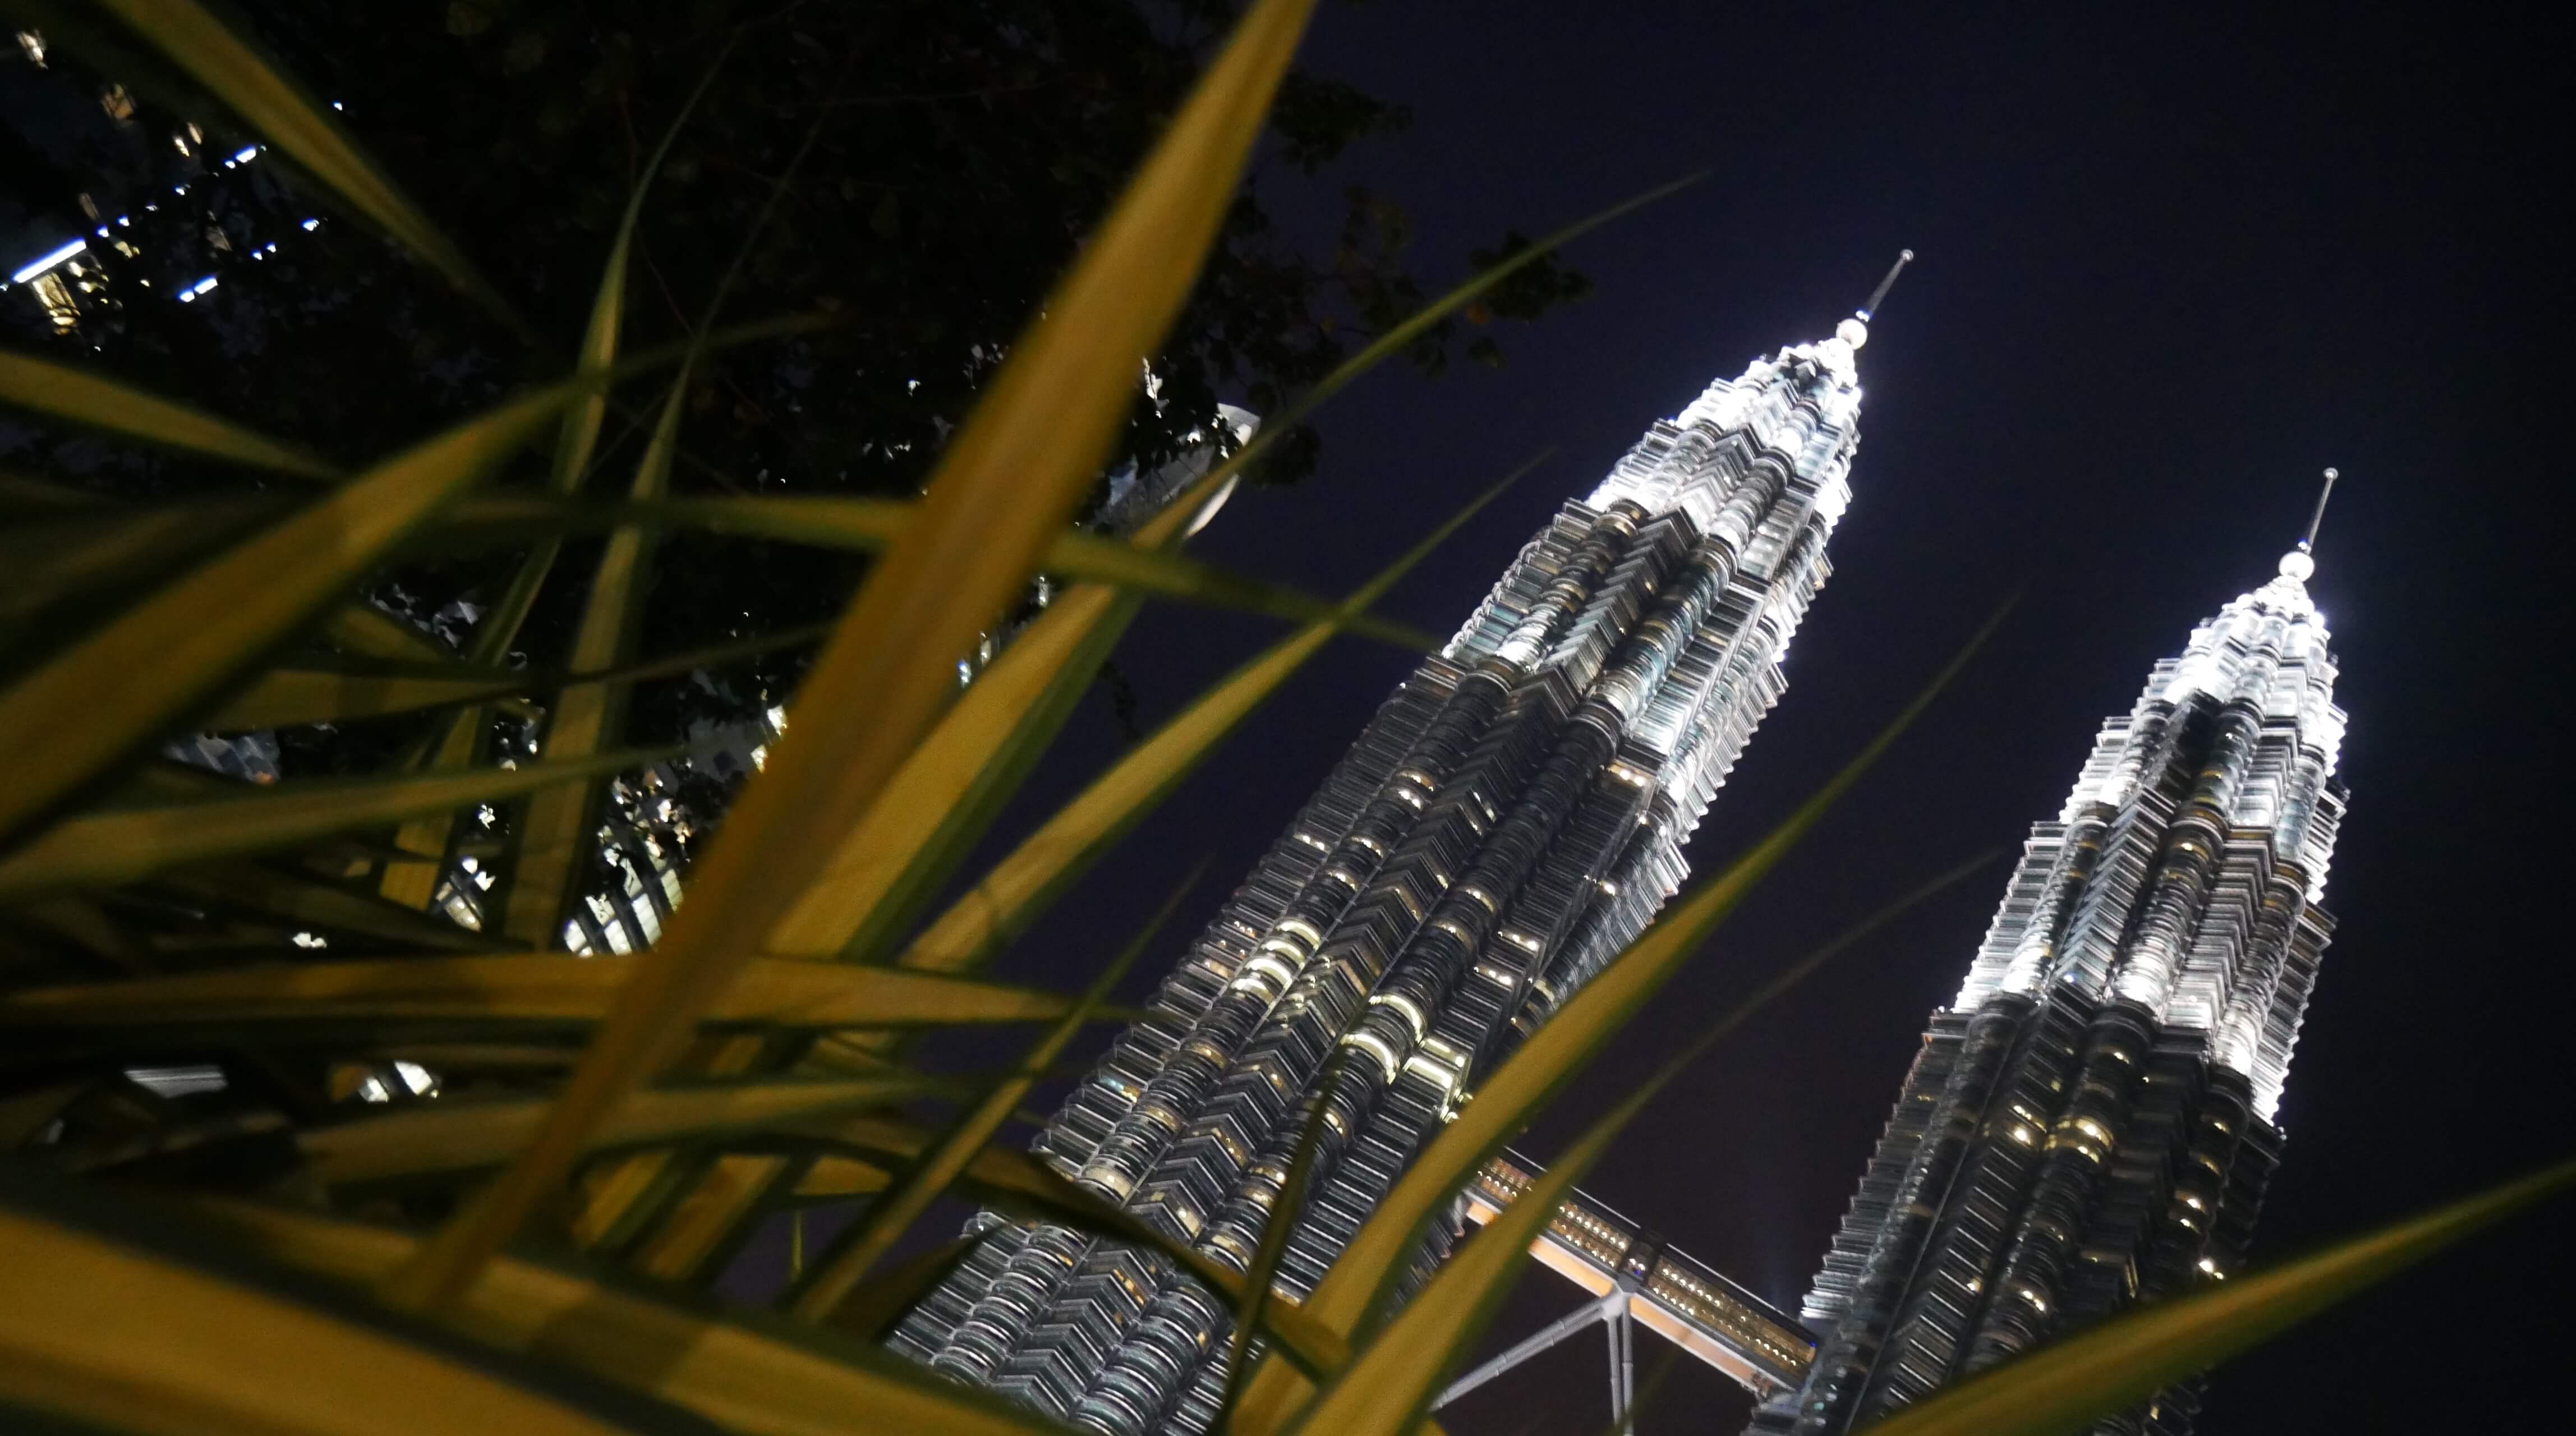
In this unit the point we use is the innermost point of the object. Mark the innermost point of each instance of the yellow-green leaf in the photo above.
(88, 550)
(1005, 488)
(80, 397)
(115, 845)
(551, 843)
(885, 1221)
(121, 1339)
(551, 989)
(832, 1178)
(1390, 1381)
(947, 791)
(1014, 1180)
(45, 497)
(132, 679)
(458, 1134)
(279, 110)
(363, 629)
(284, 697)
(301, 900)
(456, 739)
(2105, 1368)
(1276, 1228)
(815, 1385)
(871, 1312)
(1034, 873)
(874, 524)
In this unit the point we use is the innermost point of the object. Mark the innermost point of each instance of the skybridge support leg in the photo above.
(1612, 1309)
(1623, 1358)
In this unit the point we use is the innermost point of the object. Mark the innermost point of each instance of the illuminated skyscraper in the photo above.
(1510, 819)
(2091, 1121)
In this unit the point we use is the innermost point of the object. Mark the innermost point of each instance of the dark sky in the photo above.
(2168, 270)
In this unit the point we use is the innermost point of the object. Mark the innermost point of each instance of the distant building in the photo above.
(129, 173)
(2091, 1121)
(1507, 823)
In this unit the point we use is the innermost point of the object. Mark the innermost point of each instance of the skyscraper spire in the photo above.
(2091, 1121)
(1507, 823)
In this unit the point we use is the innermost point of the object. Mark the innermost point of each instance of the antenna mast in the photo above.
(1878, 296)
(2310, 542)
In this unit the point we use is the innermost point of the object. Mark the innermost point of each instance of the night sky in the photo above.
(2167, 273)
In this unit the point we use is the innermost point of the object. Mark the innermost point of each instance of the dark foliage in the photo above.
(953, 154)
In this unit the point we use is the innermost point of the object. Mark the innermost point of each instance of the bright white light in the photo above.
(248, 153)
(49, 261)
(312, 224)
(203, 285)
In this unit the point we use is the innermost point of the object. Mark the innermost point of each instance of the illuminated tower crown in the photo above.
(2092, 1120)
(1507, 822)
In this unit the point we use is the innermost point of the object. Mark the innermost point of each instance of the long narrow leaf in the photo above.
(1285, 1212)
(834, 1178)
(452, 1135)
(114, 690)
(290, 694)
(286, 697)
(739, 1377)
(553, 839)
(225, 1356)
(91, 551)
(579, 434)
(301, 900)
(363, 629)
(1022, 884)
(548, 989)
(286, 117)
(456, 740)
(82, 398)
(873, 525)
(871, 1312)
(1013, 1180)
(1005, 488)
(945, 795)
(890, 1216)
(2101, 1370)
(120, 844)
(1390, 1382)
(424, 840)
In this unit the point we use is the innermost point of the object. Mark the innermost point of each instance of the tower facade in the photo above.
(2091, 1120)
(1509, 820)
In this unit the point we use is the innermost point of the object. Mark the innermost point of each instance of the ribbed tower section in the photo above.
(1508, 821)
(2091, 1121)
